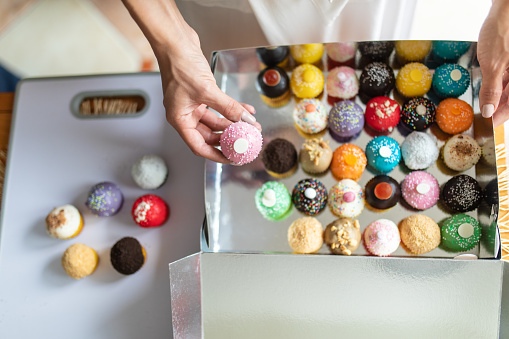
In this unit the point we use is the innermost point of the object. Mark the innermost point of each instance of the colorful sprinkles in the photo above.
(309, 196)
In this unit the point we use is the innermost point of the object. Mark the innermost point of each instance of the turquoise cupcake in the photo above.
(273, 201)
(460, 233)
(450, 81)
(449, 50)
(383, 154)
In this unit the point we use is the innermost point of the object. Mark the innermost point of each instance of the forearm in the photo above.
(161, 22)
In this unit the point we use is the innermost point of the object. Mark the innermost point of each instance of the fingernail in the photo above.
(247, 117)
(488, 110)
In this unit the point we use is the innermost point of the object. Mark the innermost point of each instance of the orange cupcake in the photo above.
(348, 162)
(454, 116)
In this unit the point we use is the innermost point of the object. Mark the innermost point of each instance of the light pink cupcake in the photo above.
(420, 190)
(340, 54)
(241, 142)
(342, 84)
(381, 237)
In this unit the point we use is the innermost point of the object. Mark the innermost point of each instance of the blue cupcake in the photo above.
(383, 154)
(449, 50)
(450, 81)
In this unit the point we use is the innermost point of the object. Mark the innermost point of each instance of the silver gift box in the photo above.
(246, 283)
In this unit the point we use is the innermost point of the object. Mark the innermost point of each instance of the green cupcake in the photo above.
(460, 233)
(273, 200)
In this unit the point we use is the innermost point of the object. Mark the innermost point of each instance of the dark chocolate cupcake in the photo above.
(462, 193)
(382, 192)
(418, 114)
(280, 158)
(376, 50)
(127, 255)
(273, 56)
(273, 85)
(377, 79)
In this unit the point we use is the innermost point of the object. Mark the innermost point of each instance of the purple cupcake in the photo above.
(346, 120)
(105, 199)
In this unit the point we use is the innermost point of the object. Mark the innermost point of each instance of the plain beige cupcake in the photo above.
(305, 235)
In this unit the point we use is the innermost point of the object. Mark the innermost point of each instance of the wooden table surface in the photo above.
(7, 103)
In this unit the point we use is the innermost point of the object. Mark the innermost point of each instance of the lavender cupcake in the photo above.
(346, 120)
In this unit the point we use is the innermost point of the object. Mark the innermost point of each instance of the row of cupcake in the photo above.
(105, 199)
(343, 53)
(346, 199)
(376, 79)
(417, 234)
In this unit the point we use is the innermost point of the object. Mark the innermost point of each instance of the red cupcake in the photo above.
(382, 114)
(150, 211)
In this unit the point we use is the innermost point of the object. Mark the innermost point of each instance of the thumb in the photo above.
(229, 107)
(489, 94)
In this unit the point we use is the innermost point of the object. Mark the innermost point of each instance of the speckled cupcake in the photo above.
(462, 193)
(342, 84)
(449, 51)
(346, 120)
(383, 154)
(310, 117)
(377, 79)
(273, 200)
(420, 190)
(461, 152)
(413, 80)
(450, 81)
(241, 142)
(346, 199)
(381, 238)
(309, 196)
(460, 233)
(418, 114)
(105, 199)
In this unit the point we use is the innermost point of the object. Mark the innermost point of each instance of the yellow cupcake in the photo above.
(307, 81)
(307, 54)
(413, 80)
(412, 50)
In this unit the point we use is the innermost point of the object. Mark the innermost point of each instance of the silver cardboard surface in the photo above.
(235, 225)
(311, 296)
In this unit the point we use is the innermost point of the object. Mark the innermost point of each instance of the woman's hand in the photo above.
(493, 56)
(188, 84)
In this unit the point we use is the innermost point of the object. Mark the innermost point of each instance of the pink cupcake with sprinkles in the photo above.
(241, 142)
(342, 84)
(381, 238)
(340, 54)
(420, 190)
(346, 199)
(311, 117)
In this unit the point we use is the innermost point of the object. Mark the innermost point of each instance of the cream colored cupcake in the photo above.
(315, 156)
(64, 222)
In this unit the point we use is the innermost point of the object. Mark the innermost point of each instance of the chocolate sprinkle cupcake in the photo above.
(127, 256)
(376, 50)
(418, 114)
(377, 79)
(309, 196)
(462, 193)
